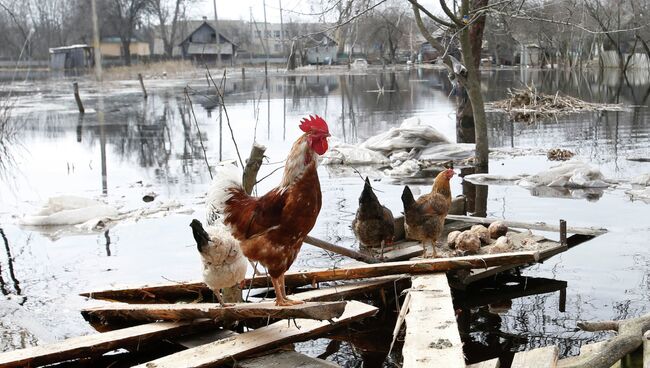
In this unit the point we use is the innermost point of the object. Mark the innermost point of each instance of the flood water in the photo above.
(125, 147)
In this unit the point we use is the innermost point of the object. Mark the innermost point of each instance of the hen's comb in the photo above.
(314, 123)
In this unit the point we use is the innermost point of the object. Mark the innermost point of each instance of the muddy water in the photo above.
(125, 147)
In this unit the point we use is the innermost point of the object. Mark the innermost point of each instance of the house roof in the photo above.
(56, 50)
(319, 39)
(207, 23)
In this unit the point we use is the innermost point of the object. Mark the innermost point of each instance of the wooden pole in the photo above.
(340, 250)
(144, 90)
(563, 233)
(243, 73)
(253, 165)
(80, 105)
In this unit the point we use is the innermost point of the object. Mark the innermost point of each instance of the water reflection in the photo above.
(159, 143)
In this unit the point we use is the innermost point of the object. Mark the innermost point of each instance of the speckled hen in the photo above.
(271, 228)
(224, 264)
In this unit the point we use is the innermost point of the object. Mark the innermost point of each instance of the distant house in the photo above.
(321, 49)
(111, 47)
(70, 57)
(202, 45)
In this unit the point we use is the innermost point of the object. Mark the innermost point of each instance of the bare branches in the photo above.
(430, 15)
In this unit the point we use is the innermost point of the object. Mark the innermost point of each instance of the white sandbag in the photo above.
(406, 168)
(640, 194)
(447, 151)
(410, 134)
(492, 179)
(349, 154)
(643, 179)
(71, 216)
(570, 174)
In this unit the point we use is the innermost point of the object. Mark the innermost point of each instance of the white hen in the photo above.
(224, 264)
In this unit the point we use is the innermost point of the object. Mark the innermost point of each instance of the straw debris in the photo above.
(529, 105)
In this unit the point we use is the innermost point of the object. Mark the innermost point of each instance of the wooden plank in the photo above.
(528, 225)
(342, 292)
(340, 250)
(176, 312)
(586, 351)
(259, 340)
(545, 357)
(300, 278)
(97, 344)
(492, 363)
(432, 338)
(423, 266)
(476, 275)
(403, 252)
(284, 359)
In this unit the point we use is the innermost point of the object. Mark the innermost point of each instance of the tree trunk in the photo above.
(126, 51)
(473, 85)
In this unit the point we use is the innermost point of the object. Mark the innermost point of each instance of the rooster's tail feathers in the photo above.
(227, 177)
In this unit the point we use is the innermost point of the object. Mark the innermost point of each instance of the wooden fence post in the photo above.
(80, 105)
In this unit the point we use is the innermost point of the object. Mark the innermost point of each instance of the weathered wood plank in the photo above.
(492, 363)
(259, 340)
(477, 274)
(422, 266)
(529, 225)
(285, 359)
(97, 344)
(402, 253)
(586, 351)
(545, 357)
(342, 292)
(432, 338)
(300, 278)
(176, 312)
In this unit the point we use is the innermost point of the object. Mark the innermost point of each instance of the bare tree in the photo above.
(468, 23)
(124, 16)
(169, 14)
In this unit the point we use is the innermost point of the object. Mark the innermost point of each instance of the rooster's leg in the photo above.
(284, 294)
(279, 292)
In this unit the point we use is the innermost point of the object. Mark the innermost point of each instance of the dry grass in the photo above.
(528, 105)
(153, 70)
(7, 135)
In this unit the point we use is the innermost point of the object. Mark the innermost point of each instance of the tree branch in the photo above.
(428, 14)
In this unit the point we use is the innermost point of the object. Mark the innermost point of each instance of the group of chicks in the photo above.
(470, 241)
(424, 220)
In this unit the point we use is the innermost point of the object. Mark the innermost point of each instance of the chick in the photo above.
(224, 264)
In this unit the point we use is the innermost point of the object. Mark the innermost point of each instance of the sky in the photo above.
(294, 9)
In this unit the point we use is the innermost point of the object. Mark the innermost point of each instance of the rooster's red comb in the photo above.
(314, 124)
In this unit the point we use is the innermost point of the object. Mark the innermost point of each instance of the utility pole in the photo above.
(96, 51)
(266, 31)
(216, 30)
(281, 28)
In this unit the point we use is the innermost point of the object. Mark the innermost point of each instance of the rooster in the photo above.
(424, 219)
(271, 228)
(224, 264)
(373, 224)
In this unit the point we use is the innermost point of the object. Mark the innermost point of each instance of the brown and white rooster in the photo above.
(271, 228)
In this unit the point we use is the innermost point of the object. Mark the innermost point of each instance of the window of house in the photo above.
(277, 34)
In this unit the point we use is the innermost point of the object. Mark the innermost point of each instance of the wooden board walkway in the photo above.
(277, 334)
(97, 344)
(299, 278)
(285, 359)
(119, 312)
(432, 338)
(545, 357)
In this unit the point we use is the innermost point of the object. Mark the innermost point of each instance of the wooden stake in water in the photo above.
(144, 90)
(80, 105)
